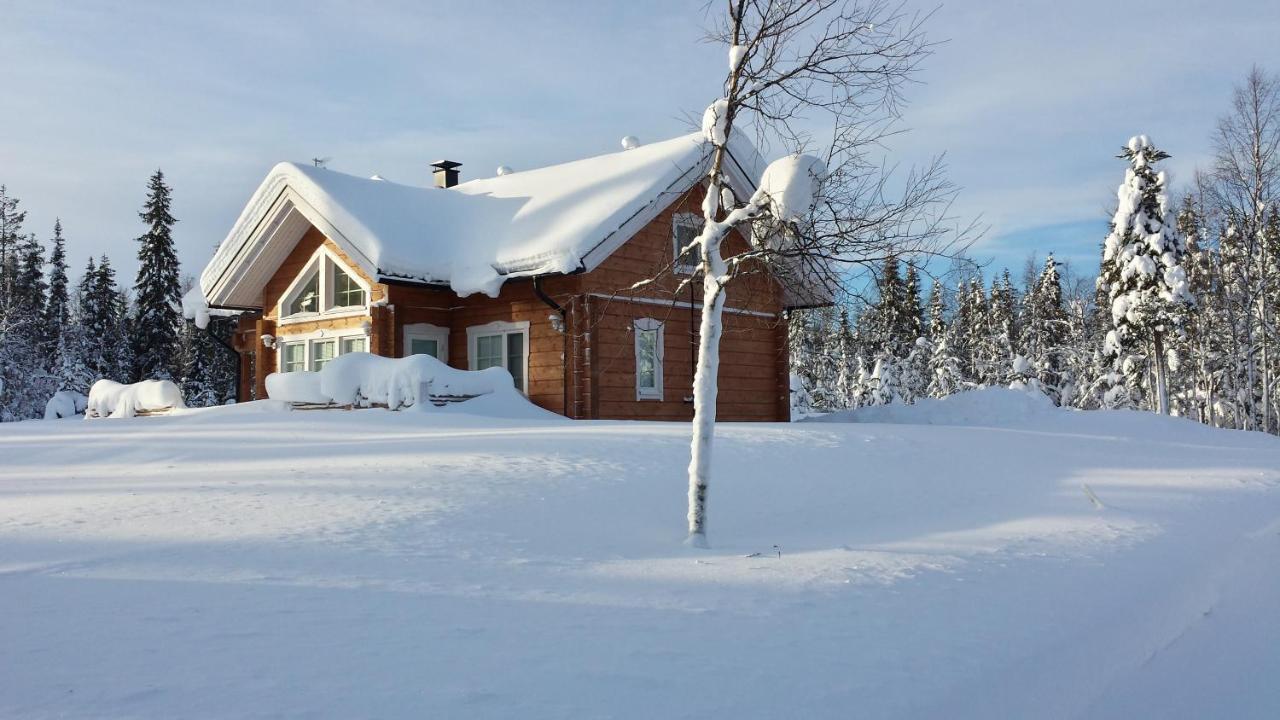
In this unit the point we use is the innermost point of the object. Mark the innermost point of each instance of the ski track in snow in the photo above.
(374, 564)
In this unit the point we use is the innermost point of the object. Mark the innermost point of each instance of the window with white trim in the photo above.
(684, 230)
(322, 351)
(293, 356)
(427, 339)
(313, 351)
(649, 342)
(325, 287)
(501, 344)
(346, 291)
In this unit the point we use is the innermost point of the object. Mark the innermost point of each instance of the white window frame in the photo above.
(427, 331)
(308, 340)
(323, 261)
(683, 220)
(498, 327)
(647, 325)
(282, 346)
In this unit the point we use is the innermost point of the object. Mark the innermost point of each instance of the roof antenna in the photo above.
(320, 161)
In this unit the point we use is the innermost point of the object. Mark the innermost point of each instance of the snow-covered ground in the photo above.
(987, 558)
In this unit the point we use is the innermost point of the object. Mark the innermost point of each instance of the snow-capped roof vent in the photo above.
(630, 142)
(446, 173)
(503, 170)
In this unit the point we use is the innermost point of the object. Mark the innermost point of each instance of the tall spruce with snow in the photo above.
(1145, 281)
(1045, 329)
(155, 327)
(57, 308)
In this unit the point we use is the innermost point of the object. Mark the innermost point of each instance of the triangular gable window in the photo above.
(307, 297)
(325, 286)
(346, 292)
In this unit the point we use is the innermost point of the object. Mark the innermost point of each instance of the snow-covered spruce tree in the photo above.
(57, 307)
(1145, 281)
(792, 62)
(1045, 329)
(155, 322)
(915, 328)
(24, 381)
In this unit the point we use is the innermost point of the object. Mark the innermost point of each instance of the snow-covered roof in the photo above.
(471, 237)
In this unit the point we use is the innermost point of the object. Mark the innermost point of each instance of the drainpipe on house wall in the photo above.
(564, 340)
(235, 353)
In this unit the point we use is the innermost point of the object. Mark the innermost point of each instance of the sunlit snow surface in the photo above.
(247, 562)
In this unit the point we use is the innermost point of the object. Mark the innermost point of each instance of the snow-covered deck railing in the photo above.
(366, 380)
(110, 399)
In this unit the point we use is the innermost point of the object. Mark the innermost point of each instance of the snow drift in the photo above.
(364, 379)
(65, 404)
(988, 407)
(108, 398)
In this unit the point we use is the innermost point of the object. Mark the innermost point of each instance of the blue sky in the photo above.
(1029, 100)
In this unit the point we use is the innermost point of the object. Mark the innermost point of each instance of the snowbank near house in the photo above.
(364, 379)
(65, 404)
(108, 398)
(298, 387)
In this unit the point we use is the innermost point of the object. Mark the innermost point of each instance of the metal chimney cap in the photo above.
(446, 164)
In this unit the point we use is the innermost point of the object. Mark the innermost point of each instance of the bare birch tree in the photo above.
(800, 70)
(1245, 184)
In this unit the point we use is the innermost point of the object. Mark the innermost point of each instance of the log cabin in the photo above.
(541, 272)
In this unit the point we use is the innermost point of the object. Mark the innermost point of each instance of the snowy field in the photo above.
(980, 557)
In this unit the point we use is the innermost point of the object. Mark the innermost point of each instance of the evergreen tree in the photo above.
(1045, 330)
(155, 324)
(57, 309)
(914, 311)
(1146, 284)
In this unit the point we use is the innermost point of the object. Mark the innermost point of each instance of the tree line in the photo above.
(59, 336)
(1180, 319)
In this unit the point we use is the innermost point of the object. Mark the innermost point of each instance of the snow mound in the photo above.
(364, 380)
(299, 387)
(65, 404)
(988, 407)
(789, 186)
(110, 399)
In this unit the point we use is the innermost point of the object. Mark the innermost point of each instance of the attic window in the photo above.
(684, 230)
(307, 299)
(346, 293)
(325, 286)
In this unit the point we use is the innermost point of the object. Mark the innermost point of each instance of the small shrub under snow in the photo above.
(65, 404)
(108, 398)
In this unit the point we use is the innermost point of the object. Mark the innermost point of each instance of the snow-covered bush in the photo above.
(65, 404)
(299, 387)
(363, 379)
(108, 398)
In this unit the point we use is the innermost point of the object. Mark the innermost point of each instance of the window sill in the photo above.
(327, 315)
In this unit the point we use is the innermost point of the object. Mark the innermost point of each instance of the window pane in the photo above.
(684, 231)
(515, 358)
(647, 359)
(293, 357)
(321, 353)
(352, 344)
(308, 298)
(346, 292)
(488, 351)
(422, 346)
